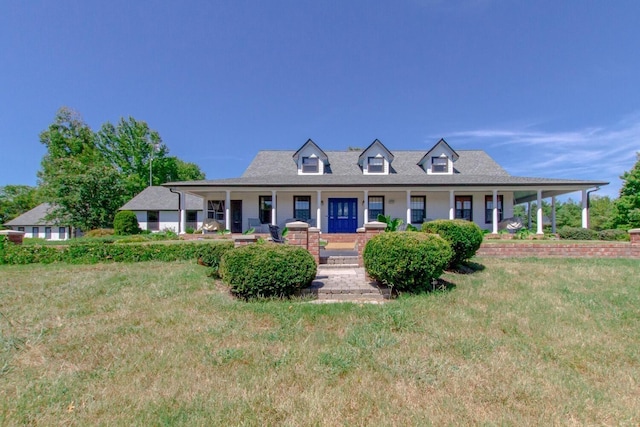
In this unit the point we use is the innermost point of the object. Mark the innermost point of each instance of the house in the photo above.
(157, 209)
(34, 224)
(340, 191)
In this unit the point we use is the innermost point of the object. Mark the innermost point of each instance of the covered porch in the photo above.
(345, 209)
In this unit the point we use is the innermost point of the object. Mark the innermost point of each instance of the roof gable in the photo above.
(439, 147)
(311, 147)
(377, 147)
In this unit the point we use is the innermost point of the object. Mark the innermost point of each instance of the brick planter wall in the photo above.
(365, 234)
(564, 249)
(13, 236)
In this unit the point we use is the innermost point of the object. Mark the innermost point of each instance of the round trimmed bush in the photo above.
(269, 270)
(125, 223)
(408, 261)
(464, 236)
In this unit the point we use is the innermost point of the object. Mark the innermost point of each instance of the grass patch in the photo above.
(553, 341)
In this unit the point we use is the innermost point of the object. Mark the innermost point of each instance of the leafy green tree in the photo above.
(75, 177)
(135, 150)
(601, 213)
(627, 206)
(89, 175)
(16, 200)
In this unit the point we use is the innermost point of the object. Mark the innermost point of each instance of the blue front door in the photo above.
(343, 215)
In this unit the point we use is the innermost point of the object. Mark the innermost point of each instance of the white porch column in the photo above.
(452, 205)
(553, 214)
(227, 210)
(204, 209)
(539, 213)
(495, 212)
(318, 209)
(366, 206)
(182, 222)
(585, 210)
(408, 207)
(273, 207)
(529, 215)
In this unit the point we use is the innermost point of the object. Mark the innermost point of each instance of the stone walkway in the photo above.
(336, 284)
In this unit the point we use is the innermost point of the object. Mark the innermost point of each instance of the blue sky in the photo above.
(547, 88)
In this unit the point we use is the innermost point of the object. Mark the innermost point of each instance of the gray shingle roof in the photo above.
(473, 168)
(33, 217)
(160, 199)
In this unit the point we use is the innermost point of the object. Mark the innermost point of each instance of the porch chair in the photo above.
(276, 237)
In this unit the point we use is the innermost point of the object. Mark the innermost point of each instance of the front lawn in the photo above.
(519, 342)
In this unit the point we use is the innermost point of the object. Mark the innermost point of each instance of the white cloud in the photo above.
(593, 153)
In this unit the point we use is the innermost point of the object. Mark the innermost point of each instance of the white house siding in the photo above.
(395, 204)
(168, 220)
(55, 234)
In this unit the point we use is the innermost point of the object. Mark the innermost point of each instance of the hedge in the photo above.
(464, 236)
(577, 233)
(95, 252)
(211, 255)
(267, 270)
(407, 261)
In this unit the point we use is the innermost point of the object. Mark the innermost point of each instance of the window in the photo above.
(302, 207)
(215, 209)
(375, 165)
(376, 207)
(464, 208)
(264, 209)
(309, 165)
(20, 228)
(488, 209)
(62, 233)
(418, 212)
(191, 219)
(153, 220)
(35, 231)
(439, 165)
(47, 233)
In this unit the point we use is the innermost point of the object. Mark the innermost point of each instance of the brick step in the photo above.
(326, 265)
(339, 260)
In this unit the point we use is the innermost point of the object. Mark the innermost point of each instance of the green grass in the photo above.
(519, 342)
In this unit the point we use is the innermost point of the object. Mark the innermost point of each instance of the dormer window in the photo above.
(309, 165)
(375, 165)
(310, 159)
(439, 160)
(439, 164)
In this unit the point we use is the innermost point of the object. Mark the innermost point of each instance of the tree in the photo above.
(87, 199)
(627, 206)
(135, 150)
(89, 175)
(75, 177)
(16, 200)
(601, 212)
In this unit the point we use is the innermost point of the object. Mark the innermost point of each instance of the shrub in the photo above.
(577, 233)
(94, 252)
(99, 232)
(407, 261)
(210, 254)
(464, 236)
(616, 234)
(126, 223)
(268, 270)
(189, 230)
